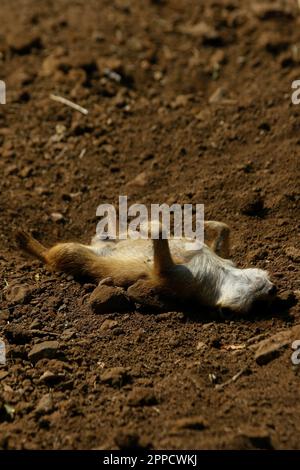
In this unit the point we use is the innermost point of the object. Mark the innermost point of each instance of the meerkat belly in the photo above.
(139, 249)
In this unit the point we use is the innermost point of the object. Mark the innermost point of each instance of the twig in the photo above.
(233, 379)
(69, 103)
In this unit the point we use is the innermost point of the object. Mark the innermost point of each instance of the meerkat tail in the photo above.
(30, 245)
(80, 261)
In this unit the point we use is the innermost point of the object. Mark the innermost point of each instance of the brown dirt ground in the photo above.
(226, 153)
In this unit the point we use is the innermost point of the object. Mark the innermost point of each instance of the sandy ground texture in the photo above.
(189, 102)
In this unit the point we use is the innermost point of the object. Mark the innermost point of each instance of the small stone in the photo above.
(23, 43)
(68, 334)
(293, 253)
(204, 115)
(26, 171)
(200, 345)
(144, 294)
(141, 180)
(3, 374)
(197, 423)
(4, 314)
(180, 101)
(18, 294)
(11, 169)
(115, 376)
(108, 299)
(271, 10)
(272, 347)
(35, 325)
(209, 35)
(252, 204)
(47, 376)
(51, 378)
(273, 42)
(108, 325)
(218, 95)
(46, 349)
(254, 439)
(56, 217)
(141, 397)
(129, 439)
(45, 405)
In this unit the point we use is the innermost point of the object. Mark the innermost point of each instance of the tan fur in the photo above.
(204, 275)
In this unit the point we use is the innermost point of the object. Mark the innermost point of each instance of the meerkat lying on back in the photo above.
(206, 276)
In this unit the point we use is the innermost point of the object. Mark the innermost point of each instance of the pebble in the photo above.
(46, 349)
(4, 314)
(22, 43)
(45, 405)
(293, 253)
(251, 204)
(271, 10)
(115, 376)
(56, 217)
(18, 294)
(273, 42)
(68, 334)
(127, 440)
(218, 95)
(197, 423)
(141, 397)
(272, 347)
(108, 325)
(108, 299)
(207, 33)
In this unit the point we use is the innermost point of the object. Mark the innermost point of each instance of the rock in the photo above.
(271, 10)
(200, 345)
(18, 294)
(3, 374)
(45, 405)
(68, 334)
(35, 325)
(108, 325)
(108, 299)
(51, 378)
(208, 35)
(180, 101)
(22, 43)
(141, 180)
(6, 411)
(204, 115)
(293, 253)
(252, 204)
(270, 348)
(127, 439)
(143, 293)
(218, 95)
(4, 314)
(218, 58)
(16, 334)
(109, 63)
(49, 66)
(56, 217)
(253, 439)
(197, 423)
(115, 376)
(46, 349)
(141, 397)
(273, 42)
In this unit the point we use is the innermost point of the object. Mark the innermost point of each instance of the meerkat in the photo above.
(206, 275)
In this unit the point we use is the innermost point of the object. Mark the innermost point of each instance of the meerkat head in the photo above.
(244, 287)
